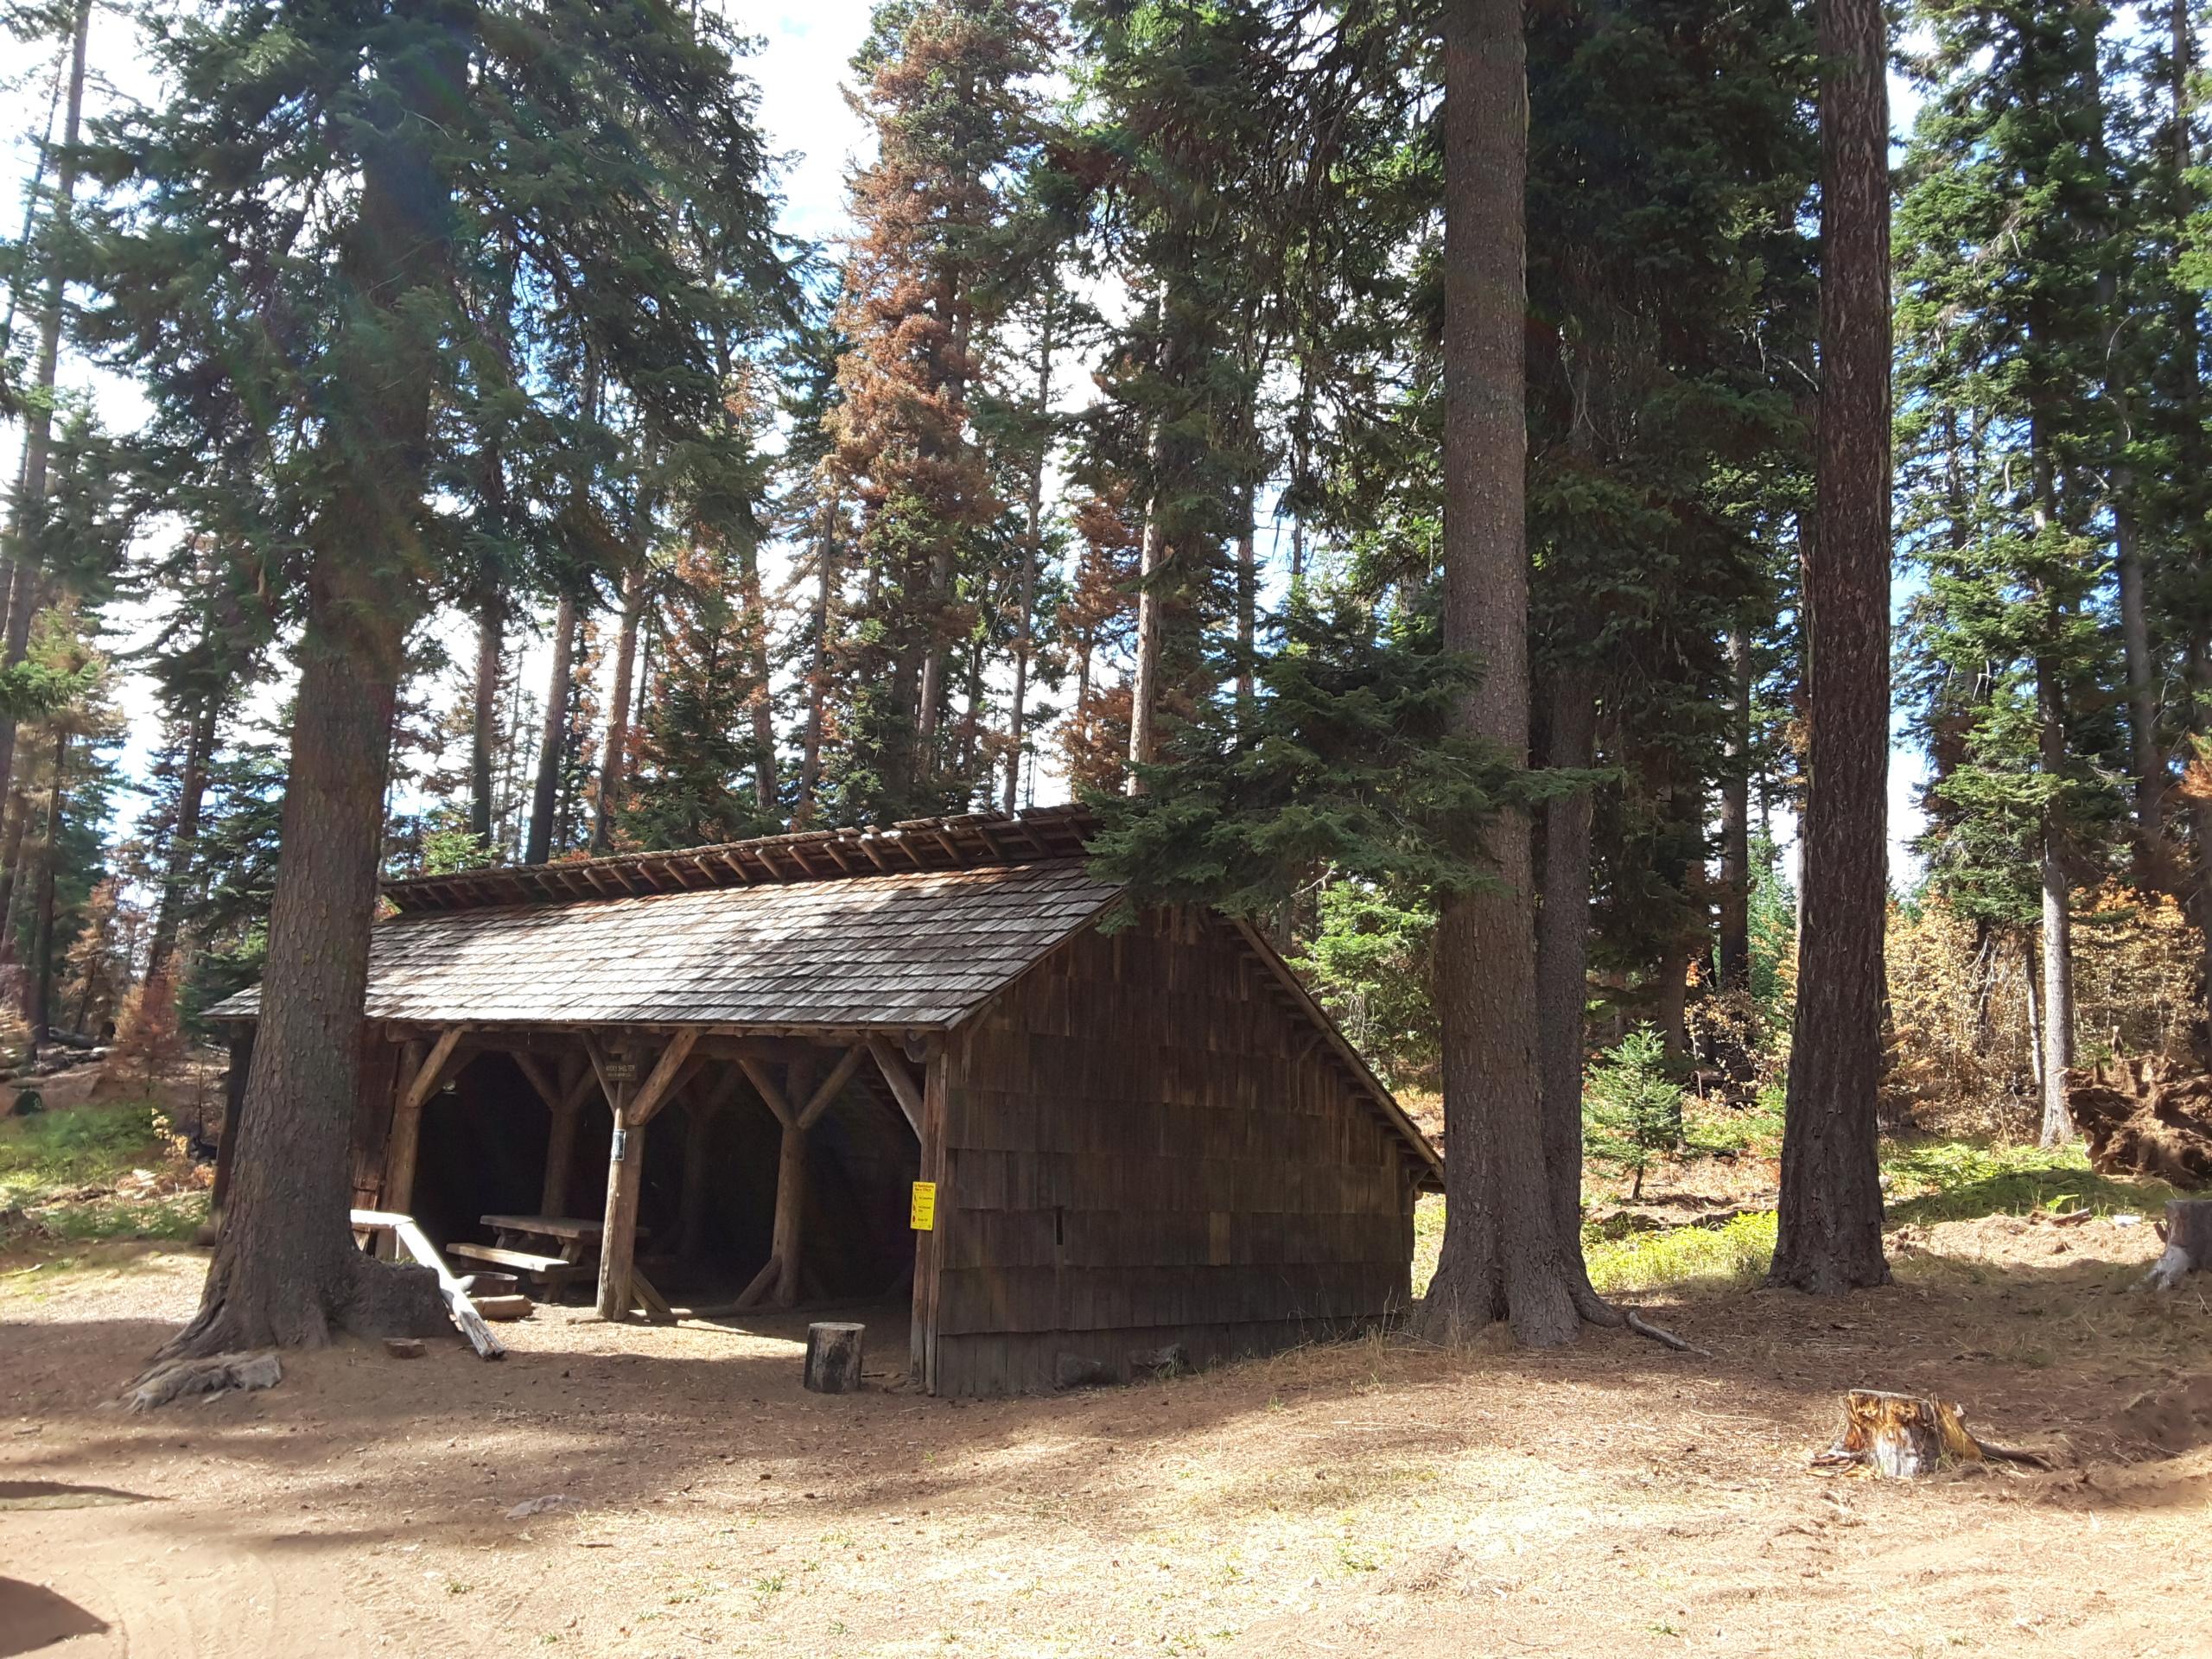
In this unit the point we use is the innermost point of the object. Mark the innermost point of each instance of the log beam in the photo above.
(764, 1085)
(832, 1086)
(567, 1109)
(662, 1081)
(625, 1161)
(407, 1119)
(790, 1190)
(904, 1090)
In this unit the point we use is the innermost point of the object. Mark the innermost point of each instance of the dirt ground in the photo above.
(1371, 1498)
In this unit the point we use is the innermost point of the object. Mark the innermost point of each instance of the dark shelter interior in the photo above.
(708, 1189)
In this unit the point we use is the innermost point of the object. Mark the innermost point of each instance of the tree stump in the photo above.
(2188, 1233)
(1905, 1435)
(1902, 1435)
(833, 1357)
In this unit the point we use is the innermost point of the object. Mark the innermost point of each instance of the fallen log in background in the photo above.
(1905, 1435)
(2145, 1117)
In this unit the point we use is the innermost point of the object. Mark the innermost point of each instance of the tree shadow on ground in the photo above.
(32, 1617)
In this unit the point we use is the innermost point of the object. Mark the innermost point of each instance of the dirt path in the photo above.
(1366, 1499)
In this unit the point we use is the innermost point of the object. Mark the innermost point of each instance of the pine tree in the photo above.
(2010, 438)
(1829, 1227)
(418, 115)
(951, 91)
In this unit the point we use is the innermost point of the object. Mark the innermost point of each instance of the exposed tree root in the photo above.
(359, 1295)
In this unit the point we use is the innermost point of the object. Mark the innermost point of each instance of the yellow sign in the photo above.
(923, 1216)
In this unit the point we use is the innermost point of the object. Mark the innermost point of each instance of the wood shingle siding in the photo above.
(1145, 1144)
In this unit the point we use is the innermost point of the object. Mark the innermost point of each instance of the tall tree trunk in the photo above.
(552, 746)
(285, 1269)
(1672, 1010)
(614, 766)
(817, 671)
(2200, 808)
(27, 579)
(1247, 603)
(1501, 1255)
(484, 711)
(1562, 961)
(1829, 1232)
(1032, 555)
(1144, 685)
(184, 833)
(756, 667)
(11, 859)
(2057, 927)
(41, 987)
(2152, 862)
(1735, 951)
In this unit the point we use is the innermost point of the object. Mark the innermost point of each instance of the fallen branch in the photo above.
(1661, 1335)
(458, 1304)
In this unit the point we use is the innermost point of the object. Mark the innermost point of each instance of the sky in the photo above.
(801, 66)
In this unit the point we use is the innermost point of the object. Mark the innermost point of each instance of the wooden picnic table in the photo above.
(575, 1240)
(578, 1239)
(578, 1228)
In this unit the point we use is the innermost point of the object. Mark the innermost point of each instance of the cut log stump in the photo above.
(2188, 1233)
(1905, 1435)
(833, 1357)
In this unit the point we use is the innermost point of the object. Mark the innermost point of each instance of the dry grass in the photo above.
(1373, 1496)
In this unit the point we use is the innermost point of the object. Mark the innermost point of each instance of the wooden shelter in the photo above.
(903, 1057)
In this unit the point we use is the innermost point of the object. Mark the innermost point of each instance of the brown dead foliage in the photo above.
(2145, 1118)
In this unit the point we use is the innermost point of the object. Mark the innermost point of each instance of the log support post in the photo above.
(625, 1165)
(790, 1164)
(699, 1113)
(922, 1347)
(790, 1190)
(564, 1101)
(407, 1119)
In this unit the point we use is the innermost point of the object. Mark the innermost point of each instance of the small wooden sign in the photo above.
(621, 1071)
(923, 1216)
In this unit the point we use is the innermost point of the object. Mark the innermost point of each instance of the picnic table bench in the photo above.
(521, 1242)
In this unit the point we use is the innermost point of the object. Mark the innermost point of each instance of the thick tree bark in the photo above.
(39, 1015)
(1829, 1233)
(285, 1270)
(1562, 962)
(1501, 1257)
(484, 711)
(2057, 943)
(1032, 555)
(26, 588)
(1670, 1009)
(11, 861)
(756, 667)
(1144, 683)
(1248, 602)
(552, 742)
(614, 766)
(817, 673)
(176, 873)
(1735, 954)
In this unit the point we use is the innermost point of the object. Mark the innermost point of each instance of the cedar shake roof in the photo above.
(919, 950)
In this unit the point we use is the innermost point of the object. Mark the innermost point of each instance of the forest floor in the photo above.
(1371, 1498)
